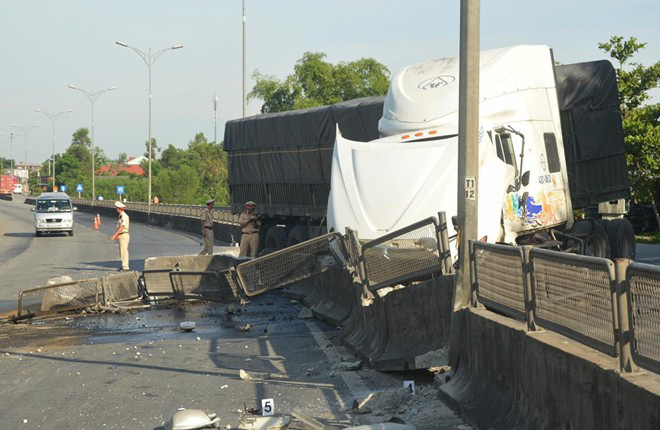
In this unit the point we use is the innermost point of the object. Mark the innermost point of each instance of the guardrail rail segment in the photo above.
(408, 254)
(575, 296)
(220, 214)
(499, 279)
(292, 264)
(643, 282)
(65, 296)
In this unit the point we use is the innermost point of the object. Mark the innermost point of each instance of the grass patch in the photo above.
(652, 237)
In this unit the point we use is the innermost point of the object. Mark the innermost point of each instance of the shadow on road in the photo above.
(26, 234)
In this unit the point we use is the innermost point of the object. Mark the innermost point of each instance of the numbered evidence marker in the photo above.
(410, 386)
(267, 407)
(470, 188)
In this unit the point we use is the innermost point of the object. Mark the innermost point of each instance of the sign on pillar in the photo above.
(120, 190)
(79, 189)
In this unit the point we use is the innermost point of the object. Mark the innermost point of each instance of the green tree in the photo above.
(316, 82)
(155, 149)
(122, 158)
(641, 121)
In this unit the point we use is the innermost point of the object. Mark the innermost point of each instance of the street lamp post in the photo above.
(215, 118)
(92, 96)
(149, 59)
(53, 117)
(244, 77)
(24, 132)
(11, 149)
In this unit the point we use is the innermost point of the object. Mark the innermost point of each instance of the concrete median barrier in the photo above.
(368, 335)
(299, 290)
(157, 277)
(509, 378)
(418, 321)
(337, 297)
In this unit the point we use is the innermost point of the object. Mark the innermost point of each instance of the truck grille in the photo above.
(53, 219)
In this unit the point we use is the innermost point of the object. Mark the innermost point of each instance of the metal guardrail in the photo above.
(575, 295)
(64, 296)
(200, 285)
(499, 278)
(220, 214)
(408, 254)
(292, 264)
(643, 281)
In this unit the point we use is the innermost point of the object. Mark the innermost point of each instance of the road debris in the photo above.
(350, 366)
(192, 419)
(305, 313)
(252, 375)
(187, 326)
(265, 423)
(244, 327)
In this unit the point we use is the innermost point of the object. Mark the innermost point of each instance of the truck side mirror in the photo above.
(525, 179)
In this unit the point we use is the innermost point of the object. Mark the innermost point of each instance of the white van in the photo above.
(53, 213)
(18, 189)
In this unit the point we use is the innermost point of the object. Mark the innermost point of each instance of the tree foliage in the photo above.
(316, 82)
(641, 121)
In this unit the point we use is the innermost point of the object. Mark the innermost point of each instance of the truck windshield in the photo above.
(53, 206)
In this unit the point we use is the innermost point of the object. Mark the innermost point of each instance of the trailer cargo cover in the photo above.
(282, 160)
(592, 132)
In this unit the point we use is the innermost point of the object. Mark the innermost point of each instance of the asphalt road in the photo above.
(27, 261)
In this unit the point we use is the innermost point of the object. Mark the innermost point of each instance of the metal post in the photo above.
(93, 153)
(530, 294)
(447, 268)
(244, 77)
(468, 149)
(625, 335)
(215, 118)
(150, 63)
(11, 151)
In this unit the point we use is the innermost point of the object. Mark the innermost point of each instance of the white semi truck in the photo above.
(545, 132)
(550, 141)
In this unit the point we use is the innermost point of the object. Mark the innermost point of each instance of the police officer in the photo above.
(207, 228)
(122, 234)
(249, 223)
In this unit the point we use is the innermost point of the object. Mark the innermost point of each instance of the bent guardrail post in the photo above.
(530, 294)
(474, 297)
(625, 336)
(447, 267)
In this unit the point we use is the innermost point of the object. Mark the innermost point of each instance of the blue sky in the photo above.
(49, 44)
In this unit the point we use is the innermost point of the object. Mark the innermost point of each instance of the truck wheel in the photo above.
(297, 235)
(276, 238)
(622, 238)
(37, 233)
(596, 242)
(71, 233)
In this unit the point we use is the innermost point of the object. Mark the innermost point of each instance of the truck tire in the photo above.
(297, 235)
(37, 233)
(70, 233)
(622, 238)
(275, 238)
(596, 242)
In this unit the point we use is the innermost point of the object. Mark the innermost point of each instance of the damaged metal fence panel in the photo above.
(409, 254)
(65, 296)
(120, 288)
(643, 281)
(157, 282)
(201, 285)
(499, 282)
(292, 264)
(575, 295)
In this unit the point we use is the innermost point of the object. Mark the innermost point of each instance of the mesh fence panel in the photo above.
(292, 264)
(200, 285)
(120, 288)
(60, 297)
(500, 278)
(573, 296)
(403, 255)
(157, 282)
(644, 283)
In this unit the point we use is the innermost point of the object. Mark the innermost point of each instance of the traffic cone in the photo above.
(98, 218)
(96, 224)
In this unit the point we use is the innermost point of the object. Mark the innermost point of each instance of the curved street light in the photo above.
(149, 59)
(53, 117)
(92, 96)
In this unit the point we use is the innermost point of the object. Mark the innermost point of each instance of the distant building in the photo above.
(136, 161)
(120, 170)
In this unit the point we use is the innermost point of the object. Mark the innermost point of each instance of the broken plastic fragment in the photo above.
(187, 326)
(192, 419)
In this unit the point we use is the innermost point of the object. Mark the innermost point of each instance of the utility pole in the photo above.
(468, 144)
(244, 77)
(215, 118)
